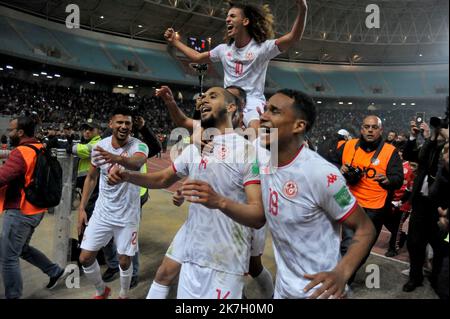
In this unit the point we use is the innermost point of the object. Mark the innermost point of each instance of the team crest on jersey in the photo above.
(376, 162)
(229, 55)
(222, 152)
(250, 56)
(290, 189)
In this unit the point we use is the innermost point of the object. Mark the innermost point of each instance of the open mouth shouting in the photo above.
(205, 109)
(230, 29)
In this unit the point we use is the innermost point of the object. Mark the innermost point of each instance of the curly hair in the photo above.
(261, 23)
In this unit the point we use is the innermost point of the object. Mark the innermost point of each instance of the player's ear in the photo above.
(231, 108)
(111, 122)
(299, 126)
(245, 22)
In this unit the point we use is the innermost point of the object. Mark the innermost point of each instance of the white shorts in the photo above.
(198, 282)
(250, 110)
(98, 234)
(258, 241)
(176, 248)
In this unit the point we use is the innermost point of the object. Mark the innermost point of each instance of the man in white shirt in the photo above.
(169, 269)
(305, 199)
(117, 209)
(246, 55)
(217, 249)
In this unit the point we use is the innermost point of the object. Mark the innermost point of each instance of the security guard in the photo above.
(91, 136)
(373, 170)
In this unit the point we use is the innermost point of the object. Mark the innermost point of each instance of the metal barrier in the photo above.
(62, 234)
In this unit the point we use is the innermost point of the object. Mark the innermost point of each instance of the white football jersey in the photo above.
(213, 239)
(304, 203)
(120, 204)
(246, 67)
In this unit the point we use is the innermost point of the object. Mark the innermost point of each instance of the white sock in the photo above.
(95, 277)
(125, 280)
(265, 283)
(158, 291)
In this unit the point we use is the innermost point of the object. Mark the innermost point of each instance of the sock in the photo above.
(158, 291)
(95, 277)
(265, 283)
(125, 280)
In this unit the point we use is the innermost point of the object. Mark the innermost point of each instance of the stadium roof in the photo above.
(411, 31)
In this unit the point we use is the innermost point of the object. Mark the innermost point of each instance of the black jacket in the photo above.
(427, 156)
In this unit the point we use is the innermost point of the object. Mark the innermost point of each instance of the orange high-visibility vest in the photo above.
(368, 192)
(29, 156)
(339, 143)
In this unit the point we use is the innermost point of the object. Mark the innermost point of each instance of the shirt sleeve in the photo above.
(251, 169)
(140, 148)
(216, 54)
(95, 153)
(181, 163)
(270, 49)
(332, 193)
(13, 168)
(83, 150)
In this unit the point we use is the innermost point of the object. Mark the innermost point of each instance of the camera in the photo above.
(353, 175)
(438, 123)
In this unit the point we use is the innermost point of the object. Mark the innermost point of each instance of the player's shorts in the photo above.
(176, 248)
(197, 282)
(258, 241)
(250, 110)
(98, 234)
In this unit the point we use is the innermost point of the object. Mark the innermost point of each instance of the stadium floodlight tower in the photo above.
(200, 45)
(201, 70)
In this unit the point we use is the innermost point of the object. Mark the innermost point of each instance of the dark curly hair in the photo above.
(261, 19)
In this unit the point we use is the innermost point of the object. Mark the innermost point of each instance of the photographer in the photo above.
(373, 170)
(423, 227)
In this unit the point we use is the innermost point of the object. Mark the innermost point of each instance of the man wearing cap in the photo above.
(91, 136)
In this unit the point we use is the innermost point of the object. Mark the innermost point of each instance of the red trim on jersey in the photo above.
(295, 156)
(351, 211)
(252, 182)
(174, 168)
(140, 153)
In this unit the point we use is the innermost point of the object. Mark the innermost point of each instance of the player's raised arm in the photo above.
(176, 114)
(287, 40)
(160, 179)
(172, 38)
(250, 214)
